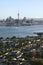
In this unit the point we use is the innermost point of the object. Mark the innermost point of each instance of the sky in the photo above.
(26, 8)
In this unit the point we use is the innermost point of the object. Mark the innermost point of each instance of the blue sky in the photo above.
(27, 8)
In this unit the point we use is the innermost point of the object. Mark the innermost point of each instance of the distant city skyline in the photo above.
(26, 8)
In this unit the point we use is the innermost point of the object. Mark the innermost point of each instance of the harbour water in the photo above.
(20, 31)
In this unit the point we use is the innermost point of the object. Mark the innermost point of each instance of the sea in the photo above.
(20, 31)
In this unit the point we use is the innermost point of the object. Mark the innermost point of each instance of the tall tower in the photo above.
(18, 15)
(18, 18)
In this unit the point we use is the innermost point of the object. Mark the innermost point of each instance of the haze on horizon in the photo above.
(26, 8)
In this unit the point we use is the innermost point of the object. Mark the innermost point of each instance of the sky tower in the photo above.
(18, 19)
(18, 15)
